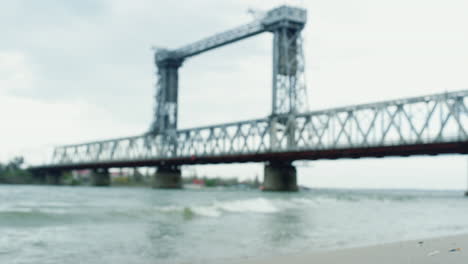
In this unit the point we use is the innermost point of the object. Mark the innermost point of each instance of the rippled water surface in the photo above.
(42, 224)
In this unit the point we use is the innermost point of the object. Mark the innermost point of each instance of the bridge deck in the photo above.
(353, 153)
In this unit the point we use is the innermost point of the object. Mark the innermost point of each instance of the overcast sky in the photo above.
(72, 71)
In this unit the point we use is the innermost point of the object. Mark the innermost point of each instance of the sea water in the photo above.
(44, 224)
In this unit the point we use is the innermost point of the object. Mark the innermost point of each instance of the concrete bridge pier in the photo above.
(100, 177)
(137, 176)
(280, 176)
(53, 177)
(167, 177)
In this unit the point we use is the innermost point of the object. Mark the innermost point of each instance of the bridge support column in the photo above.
(280, 176)
(167, 177)
(53, 177)
(100, 177)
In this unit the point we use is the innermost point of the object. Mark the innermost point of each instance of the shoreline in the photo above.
(446, 249)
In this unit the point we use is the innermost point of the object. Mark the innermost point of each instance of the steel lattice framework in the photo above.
(413, 123)
(289, 90)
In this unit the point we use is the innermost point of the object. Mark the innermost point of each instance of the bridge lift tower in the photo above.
(285, 22)
(288, 92)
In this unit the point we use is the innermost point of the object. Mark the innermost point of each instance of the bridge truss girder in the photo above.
(421, 121)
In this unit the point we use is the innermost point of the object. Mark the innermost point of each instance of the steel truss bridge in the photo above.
(426, 125)
(430, 125)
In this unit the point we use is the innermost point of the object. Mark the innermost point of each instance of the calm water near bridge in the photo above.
(43, 224)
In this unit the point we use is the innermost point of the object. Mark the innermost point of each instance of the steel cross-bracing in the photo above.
(431, 125)
(289, 91)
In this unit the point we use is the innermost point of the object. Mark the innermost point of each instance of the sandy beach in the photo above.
(446, 250)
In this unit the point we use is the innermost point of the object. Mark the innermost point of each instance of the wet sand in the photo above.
(446, 250)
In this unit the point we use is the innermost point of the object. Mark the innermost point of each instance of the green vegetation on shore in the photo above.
(13, 172)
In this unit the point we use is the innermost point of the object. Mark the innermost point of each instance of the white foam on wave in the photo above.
(198, 210)
(35, 207)
(217, 208)
(17, 210)
(206, 211)
(256, 205)
(170, 209)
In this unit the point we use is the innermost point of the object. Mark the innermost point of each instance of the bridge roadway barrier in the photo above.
(167, 177)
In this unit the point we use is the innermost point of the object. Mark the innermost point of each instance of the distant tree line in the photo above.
(13, 172)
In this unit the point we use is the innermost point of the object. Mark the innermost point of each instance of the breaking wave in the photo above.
(217, 208)
(262, 205)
